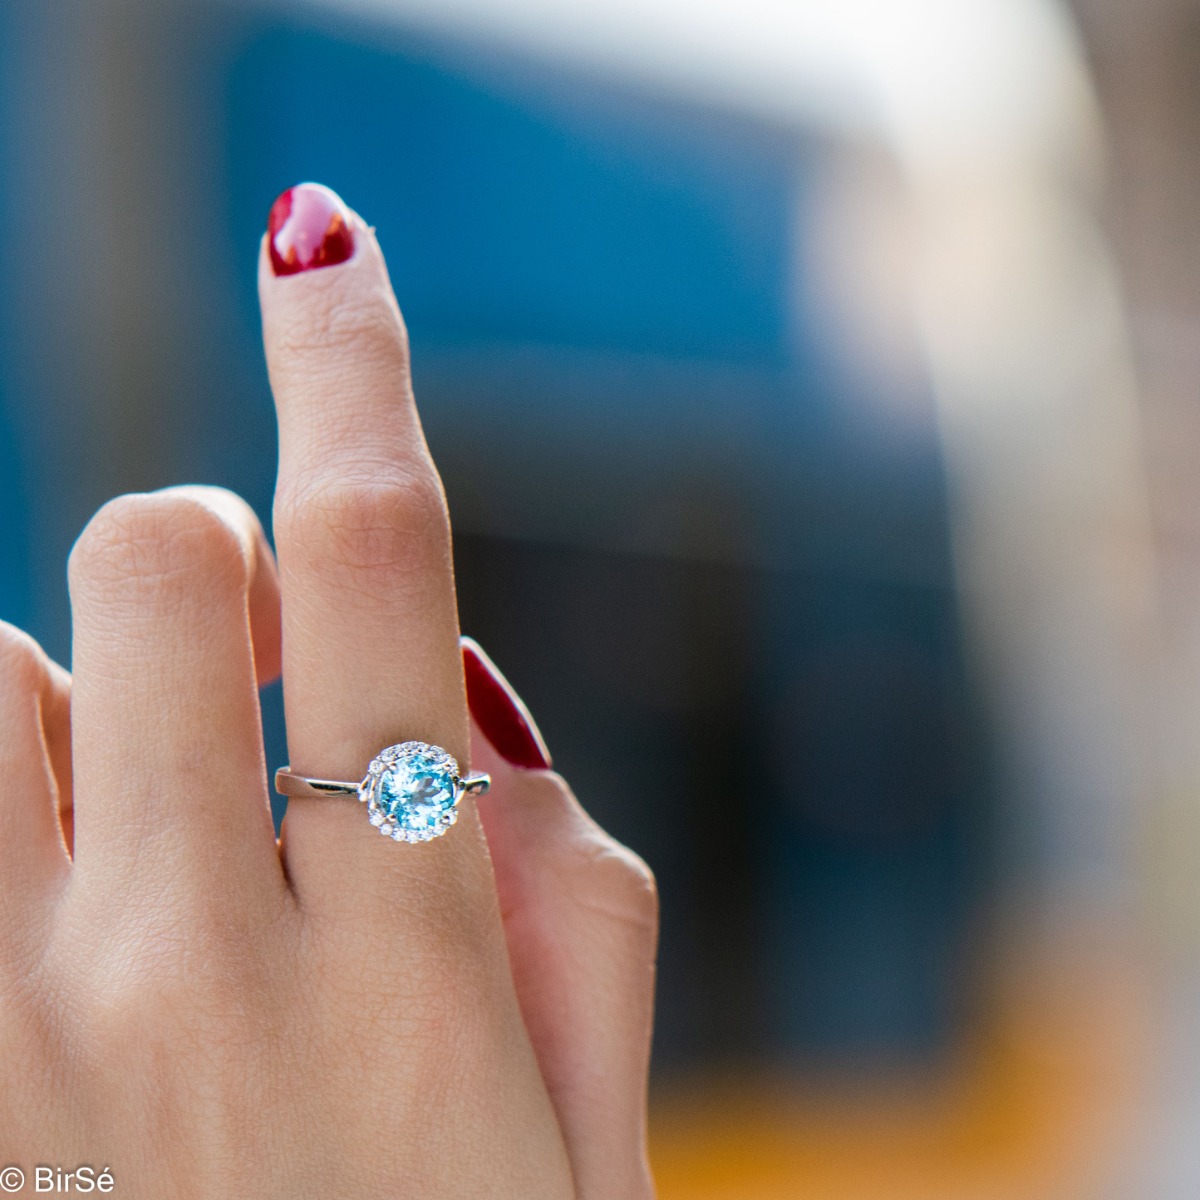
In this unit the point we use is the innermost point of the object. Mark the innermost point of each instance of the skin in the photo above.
(211, 1013)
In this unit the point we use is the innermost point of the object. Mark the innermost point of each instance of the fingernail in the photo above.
(308, 227)
(500, 713)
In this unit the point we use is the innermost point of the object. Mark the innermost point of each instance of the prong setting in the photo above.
(412, 791)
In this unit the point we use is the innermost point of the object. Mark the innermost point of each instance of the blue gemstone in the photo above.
(416, 792)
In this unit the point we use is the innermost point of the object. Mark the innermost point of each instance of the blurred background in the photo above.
(814, 389)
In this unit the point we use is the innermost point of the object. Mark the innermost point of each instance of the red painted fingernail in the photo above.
(308, 227)
(500, 713)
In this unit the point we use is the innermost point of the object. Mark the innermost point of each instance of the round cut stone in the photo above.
(416, 791)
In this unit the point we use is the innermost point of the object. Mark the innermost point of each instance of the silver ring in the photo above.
(411, 790)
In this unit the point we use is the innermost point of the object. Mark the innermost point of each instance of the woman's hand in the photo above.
(209, 1013)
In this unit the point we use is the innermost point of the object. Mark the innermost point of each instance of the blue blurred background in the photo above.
(715, 517)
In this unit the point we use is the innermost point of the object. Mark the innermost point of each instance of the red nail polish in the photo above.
(499, 712)
(308, 227)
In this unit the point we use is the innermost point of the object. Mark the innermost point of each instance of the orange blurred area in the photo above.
(1042, 1103)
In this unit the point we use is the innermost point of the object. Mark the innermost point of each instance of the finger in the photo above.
(581, 920)
(371, 659)
(370, 623)
(173, 599)
(34, 701)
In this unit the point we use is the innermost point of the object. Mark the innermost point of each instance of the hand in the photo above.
(209, 1013)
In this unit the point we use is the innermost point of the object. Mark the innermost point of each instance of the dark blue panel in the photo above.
(515, 216)
(643, 251)
(15, 601)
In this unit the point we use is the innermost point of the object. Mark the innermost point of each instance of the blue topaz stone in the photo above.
(412, 791)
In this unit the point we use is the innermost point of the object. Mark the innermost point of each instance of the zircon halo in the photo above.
(412, 791)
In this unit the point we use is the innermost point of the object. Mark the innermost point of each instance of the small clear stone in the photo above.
(377, 818)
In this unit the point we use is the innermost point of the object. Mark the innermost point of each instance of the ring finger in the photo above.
(370, 622)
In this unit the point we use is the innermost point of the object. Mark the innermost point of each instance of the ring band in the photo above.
(412, 790)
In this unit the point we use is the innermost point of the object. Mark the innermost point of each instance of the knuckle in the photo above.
(156, 540)
(392, 526)
(169, 957)
(612, 879)
(23, 664)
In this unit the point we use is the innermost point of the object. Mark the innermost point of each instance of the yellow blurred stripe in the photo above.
(1039, 1106)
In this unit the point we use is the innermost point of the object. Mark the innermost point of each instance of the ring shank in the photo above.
(287, 784)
